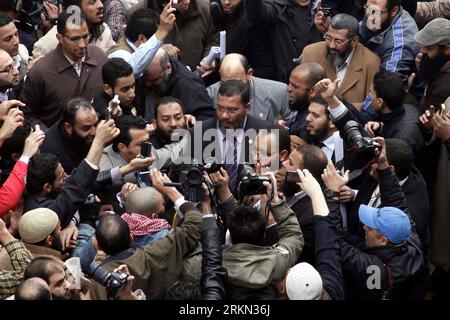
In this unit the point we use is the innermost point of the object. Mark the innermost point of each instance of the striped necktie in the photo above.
(232, 165)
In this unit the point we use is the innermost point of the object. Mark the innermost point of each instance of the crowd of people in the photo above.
(310, 161)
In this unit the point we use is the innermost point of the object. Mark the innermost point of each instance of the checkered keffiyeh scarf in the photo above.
(141, 225)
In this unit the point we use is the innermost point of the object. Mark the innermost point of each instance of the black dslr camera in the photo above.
(112, 281)
(251, 183)
(191, 180)
(364, 146)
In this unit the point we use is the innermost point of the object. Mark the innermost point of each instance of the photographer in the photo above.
(254, 270)
(391, 243)
(155, 266)
(396, 119)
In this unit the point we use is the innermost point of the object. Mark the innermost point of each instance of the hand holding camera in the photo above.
(114, 110)
(106, 131)
(159, 182)
(332, 179)
(322, 17)
(380, 153)
(32, 143)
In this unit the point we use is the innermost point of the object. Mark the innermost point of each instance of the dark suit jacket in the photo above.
(202, 127)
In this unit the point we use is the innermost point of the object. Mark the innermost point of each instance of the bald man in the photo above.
(33, 289)
(9, 75)
(268, 99)
(143, 209)
(166, 77)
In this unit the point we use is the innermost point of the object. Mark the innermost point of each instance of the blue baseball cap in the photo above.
(391, 222)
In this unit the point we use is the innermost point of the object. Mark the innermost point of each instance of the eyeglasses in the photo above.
(9, 69)
(373, 10)
(339, 42)
(85, 38)
(230, 111)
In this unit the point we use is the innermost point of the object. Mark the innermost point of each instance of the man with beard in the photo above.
(9, 75)
(389, 31)
(344, 58)
(434, 57)
(93, 11)
(312, 158)
(73, 69)
(70, 138)
(300, 90)
(169, 116)
(165, 76)
(268, 99)
(9, 41)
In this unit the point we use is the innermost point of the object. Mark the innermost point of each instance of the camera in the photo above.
(191, 180)
(112, 281)
(364, 146)
(251, 183)
(326, 11)
(29, 16)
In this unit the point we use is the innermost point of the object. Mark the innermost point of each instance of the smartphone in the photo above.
(146, 149)
(292, 176)
(432, 111)
(37, 128)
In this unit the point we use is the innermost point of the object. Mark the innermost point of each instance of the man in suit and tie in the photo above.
(268, 99)
(233, 129)
(344, 58)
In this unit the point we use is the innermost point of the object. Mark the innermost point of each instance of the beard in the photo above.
(80, 144)
(289, 188)
(430, 67)
(338, 59)
(319, 135)
(301, 103)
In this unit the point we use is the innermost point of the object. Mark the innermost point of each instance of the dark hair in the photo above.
(143, 21)
(5, 19)
(320, 100)
(347, 22)
(314, 160)
(184, 289)
(125, 123)
(231, 88)
(399, 154)
(64, 17)
(71, 108)
(392, 3)
(389, 87)
(247, 225)
(67, 3)
(244, 62)
(8, 5)
(41, 170)
(16, 142)
(114, 69)
(315, 72)
(112, 234)
(31, 289)
(284, 138)
(167, 100)
(43, 267)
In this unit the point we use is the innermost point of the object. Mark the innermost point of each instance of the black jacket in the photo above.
(74, 193)
(328, 256)
(249, 40)
(214, 275)
(183, 85)
(290, 28)
(399, 266)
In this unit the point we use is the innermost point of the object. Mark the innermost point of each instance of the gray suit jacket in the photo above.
(268, 99)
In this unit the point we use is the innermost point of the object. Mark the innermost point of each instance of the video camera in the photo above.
(364, 146)
(29, 15)
(112, 281)
(251, 183)
(191, 180)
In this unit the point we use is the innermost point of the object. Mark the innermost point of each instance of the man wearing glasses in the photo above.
(344, 58)
(389, 31)
(73, 69)
(9, 75)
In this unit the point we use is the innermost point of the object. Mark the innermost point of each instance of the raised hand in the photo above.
(32, 143)
(106, 131)
(166, 22)
(332, 179)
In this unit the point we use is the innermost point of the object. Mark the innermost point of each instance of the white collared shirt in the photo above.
(334, 144)
(342, 70)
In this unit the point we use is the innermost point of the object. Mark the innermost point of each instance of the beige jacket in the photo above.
(49, 42)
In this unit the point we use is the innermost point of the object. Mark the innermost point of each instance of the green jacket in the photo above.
(255, 267)
(158, 265)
